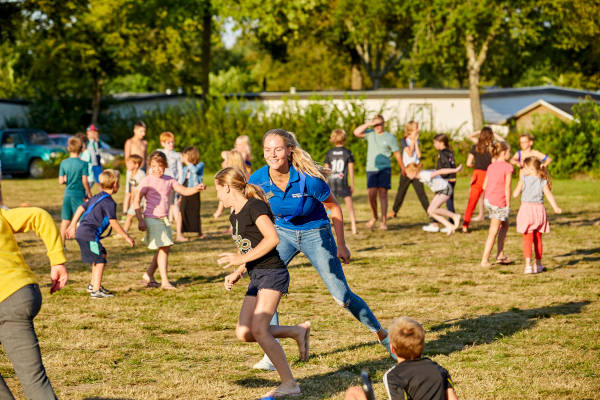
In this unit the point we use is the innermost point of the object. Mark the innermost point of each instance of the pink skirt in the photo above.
(532, 217)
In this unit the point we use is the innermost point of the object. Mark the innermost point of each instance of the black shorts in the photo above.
(379, 179)
(265, 278)
(341, 191)
(92, 252)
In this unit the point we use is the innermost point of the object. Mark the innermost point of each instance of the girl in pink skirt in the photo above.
(532, 221)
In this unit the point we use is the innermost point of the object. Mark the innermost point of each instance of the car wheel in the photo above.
(36, 168)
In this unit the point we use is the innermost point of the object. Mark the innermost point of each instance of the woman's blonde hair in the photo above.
(540, 170)
(236, 179)
(244, 141)
(300, 159)
(410, 127)
(235, 159)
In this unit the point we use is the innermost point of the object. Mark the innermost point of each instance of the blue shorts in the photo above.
(268, 278)
(379, 179)
(92, 252)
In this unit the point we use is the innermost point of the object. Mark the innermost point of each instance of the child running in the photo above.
(174, 167)
(72, 173)
(531, 219)
(256, 239)
(98, 214)
(526, 143)
(192, 175)
(446, 160)
(497, 201)
(442, 190)
(135, 174)
(157, 188)
(341, 162)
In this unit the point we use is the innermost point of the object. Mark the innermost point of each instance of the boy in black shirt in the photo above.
(341, 162)
(414, 377)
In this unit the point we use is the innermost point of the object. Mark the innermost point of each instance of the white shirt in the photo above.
(409, 158)
(436, 184)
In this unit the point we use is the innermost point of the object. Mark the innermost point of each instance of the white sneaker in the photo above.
(265, 364)
(444, 230)
(431, 228)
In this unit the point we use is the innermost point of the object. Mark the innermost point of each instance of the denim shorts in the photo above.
(379, 179)
(268, 278)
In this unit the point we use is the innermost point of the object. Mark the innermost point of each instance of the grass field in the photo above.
(500, 333)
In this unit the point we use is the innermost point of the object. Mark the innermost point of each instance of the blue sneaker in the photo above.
(386, 343)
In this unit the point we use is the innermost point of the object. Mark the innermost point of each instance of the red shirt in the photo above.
(496, 175)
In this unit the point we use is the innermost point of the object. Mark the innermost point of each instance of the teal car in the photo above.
(23, 151)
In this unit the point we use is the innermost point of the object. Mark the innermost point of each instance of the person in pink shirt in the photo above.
(156, 189)
(497, 201)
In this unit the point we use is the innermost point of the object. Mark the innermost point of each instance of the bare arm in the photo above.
(269, 241)
(338, 224)
(360, 130)
(86, 186)
(137, 200)
(507, 187)
(398, 156)
(551, 199)
(127, 149)
(73, 225)
(498, 137)
(518, 189)
(117, 227)
(187, 191)
(474, 137)
(451, 394)
(62, 180)
(351, 177)
(446, 171)
(485, 183)
(470, 160)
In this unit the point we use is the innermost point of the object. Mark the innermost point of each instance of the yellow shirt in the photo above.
(14, 272)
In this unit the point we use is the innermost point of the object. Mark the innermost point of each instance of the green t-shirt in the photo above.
(380, 149)
(73, 168)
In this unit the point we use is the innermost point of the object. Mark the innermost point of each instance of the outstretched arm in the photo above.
(446, 171)
(117, 227)
(188, 191)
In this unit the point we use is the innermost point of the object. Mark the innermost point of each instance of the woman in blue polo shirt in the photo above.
(298, 194)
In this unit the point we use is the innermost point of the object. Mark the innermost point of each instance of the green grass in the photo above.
(500, 333)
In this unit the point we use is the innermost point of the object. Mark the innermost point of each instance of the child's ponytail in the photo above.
(255, 192)
(498, 148)
(540, 170)
(236, 179)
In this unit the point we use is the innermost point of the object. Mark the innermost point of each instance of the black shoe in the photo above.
(100, 295)
(90, 289)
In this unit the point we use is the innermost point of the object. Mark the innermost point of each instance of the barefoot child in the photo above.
(256, 239)
(72, 173)
(526, 143)
(446, 160)
(98, 214)
(192, 175)
(341, 162)
(135, 145)
(497, 201)
(174, 167)
(157, 188)
(442, 190)
(531, 219)
(135, 174)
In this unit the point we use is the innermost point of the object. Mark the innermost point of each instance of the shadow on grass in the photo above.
(106, 398)
(190, 280)
(579, 252)
(489, 328)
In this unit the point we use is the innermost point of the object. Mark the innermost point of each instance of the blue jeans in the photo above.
(320, 248)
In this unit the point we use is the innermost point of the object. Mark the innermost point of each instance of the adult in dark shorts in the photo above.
(381, 146)
(341, 163)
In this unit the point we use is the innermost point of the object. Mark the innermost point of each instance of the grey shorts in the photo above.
(447, 191)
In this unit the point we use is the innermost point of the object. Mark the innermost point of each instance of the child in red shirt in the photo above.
(497, 187)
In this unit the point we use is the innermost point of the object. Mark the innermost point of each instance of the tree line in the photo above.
(67, 55)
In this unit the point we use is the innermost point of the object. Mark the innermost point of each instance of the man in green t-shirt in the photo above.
(74, 173)
(380, 146)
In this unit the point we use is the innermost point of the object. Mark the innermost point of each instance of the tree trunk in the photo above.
(356, 76)
(206, 36)
(476, 111)
(376, 79)
(97, 97)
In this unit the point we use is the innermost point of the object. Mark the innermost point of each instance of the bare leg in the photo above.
(148, 277)
(128, 221)
(162, 260)
(219, 210)
(179, 224)
(64, 224)
(383, 198)
(126, 202)
(254, 325)
(481, 215)
(435, 211)
(373, 203)
(489, 243)
(350, 206)
(97, 272)
(501, 239)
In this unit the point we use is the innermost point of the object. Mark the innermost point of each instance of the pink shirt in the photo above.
(157, 191)
(496, 175)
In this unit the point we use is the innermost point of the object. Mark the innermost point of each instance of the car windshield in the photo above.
(37, 137)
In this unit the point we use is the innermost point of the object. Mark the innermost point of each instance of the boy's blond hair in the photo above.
(166, 136)
(74, 145)
(108, 178)
(338, 137)
(408, 338)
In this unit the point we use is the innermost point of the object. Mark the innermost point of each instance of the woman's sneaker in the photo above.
(90, 289)
(101, 295)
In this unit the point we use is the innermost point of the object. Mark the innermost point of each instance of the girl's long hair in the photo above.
(497, 148)
(300, 159)
(236, 179)
(486, 137)
(540, 170)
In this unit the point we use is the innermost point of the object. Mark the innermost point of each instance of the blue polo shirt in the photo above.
(286, 203)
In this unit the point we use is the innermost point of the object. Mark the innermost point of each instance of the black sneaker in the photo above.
(90, 289)
(100, 295)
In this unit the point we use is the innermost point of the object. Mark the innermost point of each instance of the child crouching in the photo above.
(99, 213)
